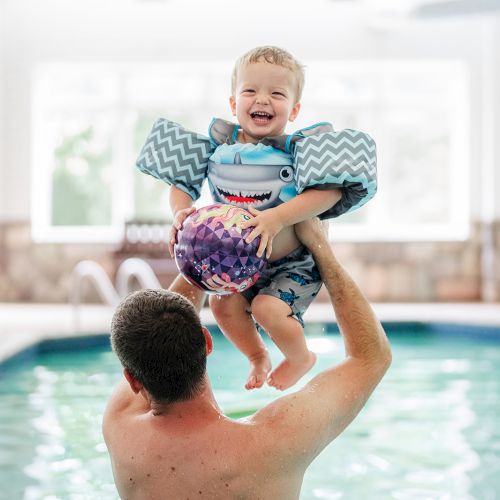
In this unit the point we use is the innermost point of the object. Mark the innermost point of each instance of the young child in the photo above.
(267, 84)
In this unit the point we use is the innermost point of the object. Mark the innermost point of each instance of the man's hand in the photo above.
(179, 218)
(312, 233)
(267, 225)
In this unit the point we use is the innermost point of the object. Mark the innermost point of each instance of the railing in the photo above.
(109, 294)
(95, 273)
(138, 269)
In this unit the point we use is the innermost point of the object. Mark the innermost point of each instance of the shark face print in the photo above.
(246, 185)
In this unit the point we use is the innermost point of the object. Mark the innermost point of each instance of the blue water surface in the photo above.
(430, 430)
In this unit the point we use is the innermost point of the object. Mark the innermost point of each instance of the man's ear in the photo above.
(294, 112)
(135, 385)
(208, 339)
(232, 104)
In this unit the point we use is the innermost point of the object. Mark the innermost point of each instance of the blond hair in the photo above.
(272, 55)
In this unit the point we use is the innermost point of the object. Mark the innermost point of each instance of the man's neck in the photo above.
(203, 405)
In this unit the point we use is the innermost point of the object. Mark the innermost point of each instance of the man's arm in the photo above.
(301, 424)
(268, 223)
(195, 295)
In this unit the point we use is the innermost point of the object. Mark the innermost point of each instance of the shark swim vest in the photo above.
(265, 174)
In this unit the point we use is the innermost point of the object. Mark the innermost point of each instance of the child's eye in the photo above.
(248, 91)
(280, 94)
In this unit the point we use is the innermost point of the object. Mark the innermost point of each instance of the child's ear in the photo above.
(294, 112)
(232, 104)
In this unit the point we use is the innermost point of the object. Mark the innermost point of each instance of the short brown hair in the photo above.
(157, 336)
(272, 55)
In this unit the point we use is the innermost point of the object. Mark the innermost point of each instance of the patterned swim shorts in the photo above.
(294, 279)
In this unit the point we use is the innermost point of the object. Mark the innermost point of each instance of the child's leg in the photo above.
(233, 318)
(287, 333)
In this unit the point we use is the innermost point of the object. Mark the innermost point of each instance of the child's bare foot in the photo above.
(287, 373)
(260, 366)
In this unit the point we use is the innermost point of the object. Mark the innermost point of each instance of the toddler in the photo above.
(281, 180)
(266, 89)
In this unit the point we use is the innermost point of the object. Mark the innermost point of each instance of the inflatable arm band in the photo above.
(345, 159)
(176, 156)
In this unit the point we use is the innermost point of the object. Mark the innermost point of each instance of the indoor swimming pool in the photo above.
(430, 430)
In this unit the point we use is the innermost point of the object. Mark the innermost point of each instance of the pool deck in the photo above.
(23, 325)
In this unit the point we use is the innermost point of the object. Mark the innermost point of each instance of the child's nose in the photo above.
(262, 99)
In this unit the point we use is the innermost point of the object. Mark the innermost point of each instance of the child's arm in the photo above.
(182, 205)
(268, 223)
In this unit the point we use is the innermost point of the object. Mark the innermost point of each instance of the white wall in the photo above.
(2, 115)
(96, 30)
(490, 189)
(495, 128)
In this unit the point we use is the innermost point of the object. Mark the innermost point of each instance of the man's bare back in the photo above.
(189, 449)
(198, 454)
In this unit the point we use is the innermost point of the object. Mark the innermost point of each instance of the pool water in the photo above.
(430, 431)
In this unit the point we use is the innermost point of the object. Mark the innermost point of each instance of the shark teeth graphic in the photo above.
(243, 198)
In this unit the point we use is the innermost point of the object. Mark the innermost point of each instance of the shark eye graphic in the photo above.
(286, 174)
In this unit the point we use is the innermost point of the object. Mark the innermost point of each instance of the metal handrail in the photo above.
(109, 294)
(135, 268)
(91, 270)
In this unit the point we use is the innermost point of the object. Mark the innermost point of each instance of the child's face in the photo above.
(264, 100)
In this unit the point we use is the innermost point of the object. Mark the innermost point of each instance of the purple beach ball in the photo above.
(211, 252)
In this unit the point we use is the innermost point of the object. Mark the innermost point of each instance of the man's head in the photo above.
(158, 338)
(266, 88)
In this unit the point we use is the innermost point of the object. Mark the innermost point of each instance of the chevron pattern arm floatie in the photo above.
(176, 156)
(346, 159)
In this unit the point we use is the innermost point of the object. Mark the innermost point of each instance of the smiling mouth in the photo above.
(261, 117)
(255, 198)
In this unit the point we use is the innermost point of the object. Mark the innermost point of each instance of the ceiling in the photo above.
(428, 8)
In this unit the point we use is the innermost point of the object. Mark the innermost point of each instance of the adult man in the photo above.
(167, 437)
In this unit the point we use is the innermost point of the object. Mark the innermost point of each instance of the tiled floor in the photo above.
(22, 325)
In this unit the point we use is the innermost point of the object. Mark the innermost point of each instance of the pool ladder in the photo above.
(109, 294)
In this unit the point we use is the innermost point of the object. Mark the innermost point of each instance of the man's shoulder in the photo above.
(123, 404)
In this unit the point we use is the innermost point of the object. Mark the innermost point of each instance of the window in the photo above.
(89, 124)
(90, 121)
(416, 112)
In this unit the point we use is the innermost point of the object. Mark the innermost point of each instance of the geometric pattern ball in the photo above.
(211, 252)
